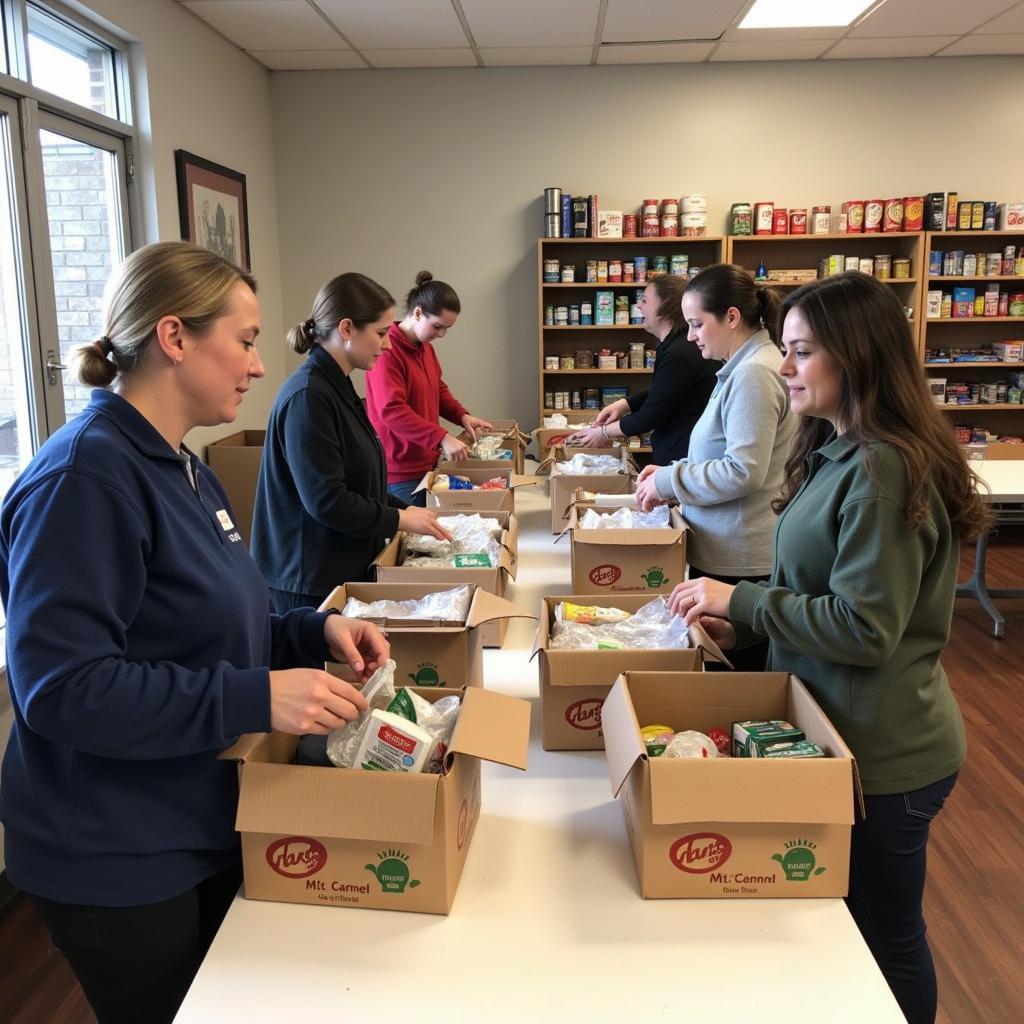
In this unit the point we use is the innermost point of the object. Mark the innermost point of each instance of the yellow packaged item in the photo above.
(656, 738)
(588, 614)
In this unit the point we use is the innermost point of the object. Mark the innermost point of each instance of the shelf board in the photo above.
(981, 407)
(595, 372)
(975, 364)
(994, 278)
(976, 233)
(798, 284)
(596, 327)
(661, 239)
(975, 320)
(832, 236)
(598, 284)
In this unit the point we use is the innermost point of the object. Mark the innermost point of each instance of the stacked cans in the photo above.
(552, 213)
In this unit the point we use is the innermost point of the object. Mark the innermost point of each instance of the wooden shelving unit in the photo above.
(974, 332)
(560, 340)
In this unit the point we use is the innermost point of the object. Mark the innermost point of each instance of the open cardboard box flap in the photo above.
(492, 727)
(623, 744)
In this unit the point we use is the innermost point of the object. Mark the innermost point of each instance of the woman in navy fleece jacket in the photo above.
(140, 643)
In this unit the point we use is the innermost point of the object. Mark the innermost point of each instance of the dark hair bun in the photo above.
(423, 277)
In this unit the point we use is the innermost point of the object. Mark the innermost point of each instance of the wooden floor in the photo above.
(975, 897)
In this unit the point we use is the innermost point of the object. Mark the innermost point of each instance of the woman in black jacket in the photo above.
(680, 387)
(322, 509)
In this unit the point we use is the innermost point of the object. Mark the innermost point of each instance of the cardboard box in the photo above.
(430, 652)
(730, 827)
(547, 438)
(236, 461)
(513, 439)
(563, 487)
(574, 684)
(626, 561)
(380, 840)
(493, 579)
(449, 502)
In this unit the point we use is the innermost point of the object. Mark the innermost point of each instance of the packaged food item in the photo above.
(444, 606)
(721, 740)
(656, 738)
(691, 744)
(626, 519)
(379, 691)
(589, 614)
(437, 720)
(798, 748)
(392, 744)
(747, 734)
(651, 627)
(496, 483)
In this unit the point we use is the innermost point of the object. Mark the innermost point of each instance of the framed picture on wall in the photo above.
(212, 207)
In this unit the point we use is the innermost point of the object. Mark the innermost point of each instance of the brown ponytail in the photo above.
(724, 286)
(351, 296)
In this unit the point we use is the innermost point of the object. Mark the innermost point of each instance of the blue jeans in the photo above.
(887, 873)
(403, 489)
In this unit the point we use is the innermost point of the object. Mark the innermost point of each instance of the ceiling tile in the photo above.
(978, 45)
(450, 58)
(929, 17)
(629, 21)
(266, 24)
(756, 35)
(656, 53)
(794, 49)
(902, 46)
(307, 60)
(533, 56)
(1011, 21)
(541, 23)
(396, 24)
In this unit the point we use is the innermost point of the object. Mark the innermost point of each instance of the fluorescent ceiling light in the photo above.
(803, 13)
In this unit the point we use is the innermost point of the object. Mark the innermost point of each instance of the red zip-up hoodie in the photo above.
(405, 397)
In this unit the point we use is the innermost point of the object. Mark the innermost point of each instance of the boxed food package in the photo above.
(574, 683)
(388, 568)
(1009, 351)
(626, 561)
(730, 827)
(563, 486)
(373, 839)
(236, 461)
(430, 652)
(486, 499)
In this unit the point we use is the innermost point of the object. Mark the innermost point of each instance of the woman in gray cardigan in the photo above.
(735, 466)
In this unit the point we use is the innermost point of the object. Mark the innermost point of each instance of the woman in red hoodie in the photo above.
(406, 394)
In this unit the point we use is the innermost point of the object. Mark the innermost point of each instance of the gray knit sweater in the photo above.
(735, 464)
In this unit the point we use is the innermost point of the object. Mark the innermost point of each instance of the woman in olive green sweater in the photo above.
(876, 501)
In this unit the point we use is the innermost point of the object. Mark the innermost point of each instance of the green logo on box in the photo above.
(392, 872)
(654, 577)
(426, 675)
(798, 861)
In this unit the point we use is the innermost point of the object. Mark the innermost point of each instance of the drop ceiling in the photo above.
(297, 35)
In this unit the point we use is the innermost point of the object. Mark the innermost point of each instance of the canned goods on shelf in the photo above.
(934, 263)
(552, 271)
(627, 271)
(586, 313)
(549, 316)
(551, 362)
(629, 225)
(659, 265)
(679, 265)
(883, 266)
(574, 317)
(568, 274)
(867, 265)
(549, 399)
(602, 271)
(798, 222)
(892, 215)
(591, 270)
(854, 216)
(901, 267)
(989, 222)
(640, 265)
(741, 219)
(566, 362)
(913, 213)
(615, 271)
(764, 214)
(552, 225)
(780, 221)
(561, 316)
(873, 210)
(821, 220)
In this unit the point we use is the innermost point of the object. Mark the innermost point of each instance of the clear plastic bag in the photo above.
(691, 744)
(625, 519)
(472, 534)
(438, 719)
(651, 627)
(379, 691)
(584, 464)
(445, 605)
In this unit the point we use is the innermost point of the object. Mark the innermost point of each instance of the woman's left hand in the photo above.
(647, 496)
(702, 596)
(590, 438)
(356, 643)
(474, 423)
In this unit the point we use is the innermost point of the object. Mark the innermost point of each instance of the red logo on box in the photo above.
(558, 441)
(605, 575)
(396, 739)
(296, 856)
(700, 853)
(585, 714)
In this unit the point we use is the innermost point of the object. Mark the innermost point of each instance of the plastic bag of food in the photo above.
(625, 519)
(651, 627)
(438, 719)
(494, 484)
(379, 691)
(471, 535)
(584, 464)
(588, 614)
(446, 605)
(691, 744)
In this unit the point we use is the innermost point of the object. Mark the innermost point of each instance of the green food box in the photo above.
(801, 748)
(750, 737)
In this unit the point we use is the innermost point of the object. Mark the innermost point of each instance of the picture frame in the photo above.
(212, 207)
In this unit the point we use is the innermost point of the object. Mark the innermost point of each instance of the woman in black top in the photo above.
(322, 509)
(680, 387)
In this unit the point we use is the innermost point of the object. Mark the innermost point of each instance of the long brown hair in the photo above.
(860, 323)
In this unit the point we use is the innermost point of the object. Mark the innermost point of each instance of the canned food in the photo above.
(659, 266)
(627, 271)
(1004, 304)
(576, 402)
(1018, 267)
(640, 269)
(1016, 304)
(867, 265)
(679, 265)
(741, 219)
(669, 225)
(979, 305)
(670, 206)
(697, 202)
(935, 211)
(629, 225)
(587, 315)
(615, 271)
(901, 267)
(552, 225)
(821, 220)
(552, 271)
(883, 266)
(562, 316)
(549, 399)
(551, 362)
(780, 221)
(993, 264)
(913, 213)
(567, 362)
(763, 218)
(559, 400)
(574, 319)
(592, 271)
(873, 210)
(568, 274)
(798, 222)
(584, 359)
(1009, 257)
(650, 226)
(892, 215)
(854, 216)
(649, 208)
(650, 354)
(549, 316)
(602, 271)
(989, 221)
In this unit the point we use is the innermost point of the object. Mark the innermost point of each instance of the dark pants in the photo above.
(746, 659)
(136, 963)
(284, 601)
(403, 489)
(887, 872)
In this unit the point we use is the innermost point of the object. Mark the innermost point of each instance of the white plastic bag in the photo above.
(651, 627)
(343, 742)
(584, 464)
(625, 519)
(472, 534)
(446, 605)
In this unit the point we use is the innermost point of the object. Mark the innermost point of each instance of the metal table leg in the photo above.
(975, 587)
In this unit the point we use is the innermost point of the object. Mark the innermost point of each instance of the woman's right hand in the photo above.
(309, 700)
(454, 450)
(721, 631)
(612, 413)
(422, 520)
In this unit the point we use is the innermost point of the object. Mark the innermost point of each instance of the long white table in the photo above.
(1004, 480)
(548, 923)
